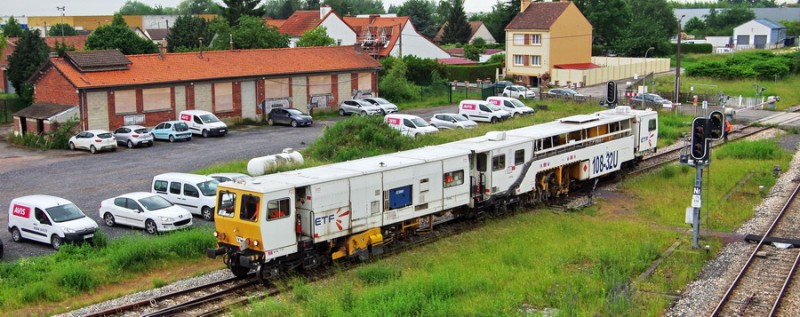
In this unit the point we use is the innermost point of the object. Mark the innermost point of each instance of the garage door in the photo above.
(743, 40)
(760, 41)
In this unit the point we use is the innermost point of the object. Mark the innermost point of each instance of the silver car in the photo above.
(385, 105)
(452, 121)
(133, 136)
(359, 107)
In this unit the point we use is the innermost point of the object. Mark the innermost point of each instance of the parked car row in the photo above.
(190, 122)
(366, 106)
(169, 206)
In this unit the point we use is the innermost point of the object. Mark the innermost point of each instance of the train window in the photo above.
(652, 125)
(519, 157)
(249, 208)
(481, 162)
(226, 202)
(498, 162)
(453, 178)
(277, 209)
(613, 127)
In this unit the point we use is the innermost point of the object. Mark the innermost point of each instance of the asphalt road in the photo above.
(87, 179)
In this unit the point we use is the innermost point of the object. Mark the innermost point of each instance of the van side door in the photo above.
(190, 198)
(42, 227)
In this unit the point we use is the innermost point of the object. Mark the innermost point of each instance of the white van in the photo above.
(479, 110)
(195, 193)
(203, 122)
(409, 125)
(512, 105)
(48, 219)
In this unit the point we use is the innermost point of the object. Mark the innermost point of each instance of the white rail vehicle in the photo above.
(302, 218)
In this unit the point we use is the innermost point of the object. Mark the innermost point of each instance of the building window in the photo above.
(519, 39)
(519, 60)
(155, 99)
(536, 60)
(536, 38)
(125, 101)
(223, 97)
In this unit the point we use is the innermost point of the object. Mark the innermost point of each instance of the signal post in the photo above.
(704, 130)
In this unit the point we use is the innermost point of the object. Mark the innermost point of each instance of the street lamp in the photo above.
(645, 74)
(62, 21)
(678, 62)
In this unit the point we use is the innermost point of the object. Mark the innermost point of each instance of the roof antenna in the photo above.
(201, 46)
(160, 50)
(231, 41)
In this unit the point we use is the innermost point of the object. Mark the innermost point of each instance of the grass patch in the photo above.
(78, 269)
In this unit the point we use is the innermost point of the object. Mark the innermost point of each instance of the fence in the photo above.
(714, 99)
(613, 68)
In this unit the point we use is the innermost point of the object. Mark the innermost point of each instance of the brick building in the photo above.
(111, 89)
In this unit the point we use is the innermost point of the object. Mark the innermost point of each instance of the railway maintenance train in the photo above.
(304, 218)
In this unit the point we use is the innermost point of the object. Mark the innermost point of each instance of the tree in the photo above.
(118, 20)
(696, 27)
(472, 52)
(133, 7)
(501, 14)
(190, 7)
(61, 49)
(420, 12)
(354, 7)
(282, 9)
(249, 34)
(316, 37)
(792, 27)
(234, 10)
(395, 86)
(654, 30)
(722, 22)
(12, 28)
(311, 4)
(119, 37)
(185, 34)
(457, 29)
(62, 29)
(30, 54)
(608, 18)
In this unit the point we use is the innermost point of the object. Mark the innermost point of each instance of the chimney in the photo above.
(524, 5)
(324, 10)
(372, 18)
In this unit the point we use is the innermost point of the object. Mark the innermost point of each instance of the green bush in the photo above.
(77, 278)
(471, 72)
(357, 137)
(753, 64)
(751, 150)
(697, 48)
(58, 139)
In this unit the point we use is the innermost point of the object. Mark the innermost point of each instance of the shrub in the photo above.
(689, 48)
(471, 72)
(58, 139)
(77, 278)
(751, 150)
(355, 138)
(753, 64)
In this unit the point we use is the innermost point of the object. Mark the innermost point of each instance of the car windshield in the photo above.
(295, 111)
(180, 126)
(65, 213)
(570, 92)
(140, 130)
(381, 101)
(517, 104)
(460, 118)
(493, 107)
(104, 135)
(208, 118)
(208, 188)
(419, 122)
(155, 203)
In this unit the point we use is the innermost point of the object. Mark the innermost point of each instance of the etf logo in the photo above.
(332, 218)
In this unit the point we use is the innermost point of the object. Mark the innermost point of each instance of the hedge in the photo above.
(698, 48)
(472, 72)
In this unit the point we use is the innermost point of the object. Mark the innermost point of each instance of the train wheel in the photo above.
(237, 270)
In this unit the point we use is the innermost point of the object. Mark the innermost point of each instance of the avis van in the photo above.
(480, 110)
(512, 105)
(203, 123)
(48, 219)
(195, 193)
(409, 125)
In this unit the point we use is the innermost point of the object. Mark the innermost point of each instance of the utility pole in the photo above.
(678, 63)
(400, 39)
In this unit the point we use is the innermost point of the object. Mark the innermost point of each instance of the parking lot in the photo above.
(87, 179)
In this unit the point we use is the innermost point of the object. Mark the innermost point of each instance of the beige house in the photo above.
(545, 36)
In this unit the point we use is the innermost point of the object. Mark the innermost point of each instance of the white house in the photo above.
(382, 36)
(303, 21)
(759, 33)
(477, 30)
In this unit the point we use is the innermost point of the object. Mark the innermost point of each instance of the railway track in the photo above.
(761, 286)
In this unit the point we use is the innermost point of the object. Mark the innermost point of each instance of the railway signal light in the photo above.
(611, 93)
(716, 125)
(699, 148)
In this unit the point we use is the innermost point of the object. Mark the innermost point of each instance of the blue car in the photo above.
(172, 131)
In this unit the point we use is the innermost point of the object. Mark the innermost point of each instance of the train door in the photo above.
(366, 200)
(481, 176)
(278, 227)
(647, 133)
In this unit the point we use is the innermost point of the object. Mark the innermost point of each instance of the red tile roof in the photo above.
(457, 51)
(374, 24)
(577, 66)
(300, 22)
(182, 67)
(456, 61)
(538, 15)
(275, 23)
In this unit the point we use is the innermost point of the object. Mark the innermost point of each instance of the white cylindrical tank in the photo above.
(260, 165)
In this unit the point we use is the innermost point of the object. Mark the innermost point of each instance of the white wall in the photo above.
(339, 30)
(751, 28)
(484, 33)
(417, 45)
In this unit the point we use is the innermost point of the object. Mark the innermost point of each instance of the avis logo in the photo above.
(21, 211)
(333, 218)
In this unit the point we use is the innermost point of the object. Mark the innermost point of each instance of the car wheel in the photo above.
(207, 213)
(270, 122)
(205, 133)
(16, 236)
(56, 242)
(172, 138)
(383, 112)
(505, 95)
(341, 112)
(108, 218)
(93, 149)
(494, 119)
(72, 146)
(294, 124)
(130, 144)
(515, 115)
(150, 227)
(363, 113)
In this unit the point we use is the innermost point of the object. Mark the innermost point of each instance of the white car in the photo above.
(386, 106)
(520, 92)
(452, 121)
(228, 177)
(359, 107)
(144, 210)
(93, 140)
